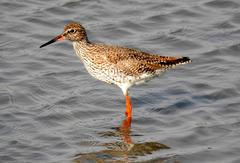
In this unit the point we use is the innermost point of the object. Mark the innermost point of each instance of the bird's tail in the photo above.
(173, 61)
(183, 60)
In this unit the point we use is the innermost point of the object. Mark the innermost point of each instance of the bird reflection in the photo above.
(121, 151)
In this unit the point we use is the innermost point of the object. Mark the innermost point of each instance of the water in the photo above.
(52, 111)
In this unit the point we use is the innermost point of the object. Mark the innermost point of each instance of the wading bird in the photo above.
(121, 66)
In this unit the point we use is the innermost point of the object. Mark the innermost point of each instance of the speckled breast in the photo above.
(98, 67)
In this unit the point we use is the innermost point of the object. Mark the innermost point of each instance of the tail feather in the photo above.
(167, 63)
(175, 61)
(183, 60)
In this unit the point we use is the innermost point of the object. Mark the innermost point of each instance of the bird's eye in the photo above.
(72, 31)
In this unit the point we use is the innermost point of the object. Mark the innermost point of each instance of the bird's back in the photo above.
(114, 64)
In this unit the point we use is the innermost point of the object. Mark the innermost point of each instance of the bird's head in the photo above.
(72, 31)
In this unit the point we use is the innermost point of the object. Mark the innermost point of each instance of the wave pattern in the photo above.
(51, 110)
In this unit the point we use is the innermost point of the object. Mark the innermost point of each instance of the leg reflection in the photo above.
(125, 130)
(124, 150)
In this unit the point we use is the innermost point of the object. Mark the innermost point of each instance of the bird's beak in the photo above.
(58, 38)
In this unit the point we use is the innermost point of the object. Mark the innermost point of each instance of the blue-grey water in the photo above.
(52, 111)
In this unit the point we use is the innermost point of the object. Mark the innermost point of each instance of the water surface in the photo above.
(52, 111)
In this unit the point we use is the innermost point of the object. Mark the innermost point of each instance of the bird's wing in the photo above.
(138, 62)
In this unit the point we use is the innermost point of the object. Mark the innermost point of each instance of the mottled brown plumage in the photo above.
(116, 65)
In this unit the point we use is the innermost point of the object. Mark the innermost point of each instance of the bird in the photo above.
(122, 66)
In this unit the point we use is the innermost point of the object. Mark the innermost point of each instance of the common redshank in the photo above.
(117, 65)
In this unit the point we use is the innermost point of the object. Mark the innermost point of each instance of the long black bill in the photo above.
(58, 38)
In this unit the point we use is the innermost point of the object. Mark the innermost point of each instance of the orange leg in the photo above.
(128, 107)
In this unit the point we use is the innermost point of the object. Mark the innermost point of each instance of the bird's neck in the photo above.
(82, 48)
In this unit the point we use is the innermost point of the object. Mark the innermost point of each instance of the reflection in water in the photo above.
(120, 151)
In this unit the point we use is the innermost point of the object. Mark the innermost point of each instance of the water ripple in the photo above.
(51, 110)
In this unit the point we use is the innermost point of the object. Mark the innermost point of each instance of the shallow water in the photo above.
(51, 110)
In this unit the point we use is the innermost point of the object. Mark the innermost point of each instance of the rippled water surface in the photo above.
(52, 111)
